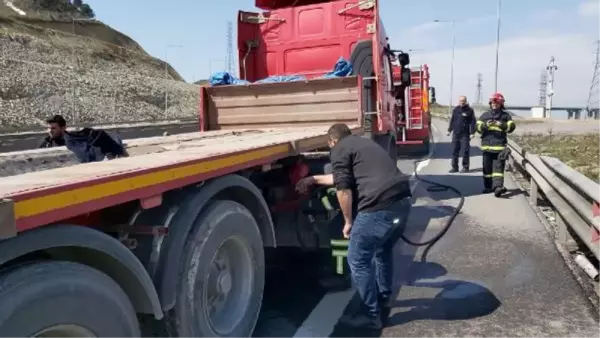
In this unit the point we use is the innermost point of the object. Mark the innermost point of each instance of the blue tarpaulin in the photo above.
(224, 78)
(281, 78)
(342, 68)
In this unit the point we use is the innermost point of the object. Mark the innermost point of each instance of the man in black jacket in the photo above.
(57, 127)
(363, 170)
(462, 127)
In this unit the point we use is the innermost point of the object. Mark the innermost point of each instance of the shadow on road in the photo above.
(468, 185)
(457, 300)
(419, 220)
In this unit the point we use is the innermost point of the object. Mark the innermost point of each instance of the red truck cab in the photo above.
(307, 37)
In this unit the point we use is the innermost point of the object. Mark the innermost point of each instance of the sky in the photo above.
(531, 32)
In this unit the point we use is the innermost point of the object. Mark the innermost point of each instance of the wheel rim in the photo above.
(229, 285)
(67, 330)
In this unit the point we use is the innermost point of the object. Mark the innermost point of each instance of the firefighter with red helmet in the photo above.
(494, 125)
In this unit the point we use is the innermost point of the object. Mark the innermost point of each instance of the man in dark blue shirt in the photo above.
(364, 169)
(462, 127)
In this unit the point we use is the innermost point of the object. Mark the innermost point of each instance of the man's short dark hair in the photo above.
(338, 131)
(58, 119)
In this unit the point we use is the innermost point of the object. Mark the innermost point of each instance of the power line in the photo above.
(478, 91)
(230, 47)
(592, 102)
(551, 68)
(543, 86)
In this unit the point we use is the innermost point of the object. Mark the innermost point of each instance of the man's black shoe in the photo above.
(361, 321)
(385, 314)
(464, 170)
(453, 170)
(499, 191)
(487, 190)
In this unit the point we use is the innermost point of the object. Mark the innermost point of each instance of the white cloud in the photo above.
(522, 60)
(589, 8)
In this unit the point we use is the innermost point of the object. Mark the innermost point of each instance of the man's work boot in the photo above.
(385, 310)
(499, 191)
(464, 170)
(453, 170)
(361, 321)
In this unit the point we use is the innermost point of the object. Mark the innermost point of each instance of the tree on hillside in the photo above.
(87, 11)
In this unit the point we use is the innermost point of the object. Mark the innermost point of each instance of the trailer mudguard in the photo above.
(230, 187)
(92, 248)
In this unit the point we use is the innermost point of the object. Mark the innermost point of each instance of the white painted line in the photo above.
(325, 315)
(10, 5)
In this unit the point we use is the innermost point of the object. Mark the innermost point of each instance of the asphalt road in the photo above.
(495, 273)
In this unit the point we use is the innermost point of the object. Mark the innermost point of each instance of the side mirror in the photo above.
(405, 76)
(403, 59)
(432, 95)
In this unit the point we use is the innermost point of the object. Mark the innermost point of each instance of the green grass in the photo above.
(580, 152)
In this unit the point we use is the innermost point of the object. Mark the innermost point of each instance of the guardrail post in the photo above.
(533, 191)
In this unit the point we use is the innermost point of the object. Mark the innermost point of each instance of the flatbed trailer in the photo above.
(184, 215)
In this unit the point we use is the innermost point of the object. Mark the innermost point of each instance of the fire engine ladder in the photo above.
(415, 97)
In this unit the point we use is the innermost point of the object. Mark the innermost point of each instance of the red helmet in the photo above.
(498, 98)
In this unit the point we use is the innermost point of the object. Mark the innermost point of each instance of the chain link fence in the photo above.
(87, 80)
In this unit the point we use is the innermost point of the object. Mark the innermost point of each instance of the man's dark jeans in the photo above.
(461, 140)
(370, 252)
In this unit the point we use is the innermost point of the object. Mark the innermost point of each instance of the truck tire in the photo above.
(222, 274)
(362, 64)
(63, 299)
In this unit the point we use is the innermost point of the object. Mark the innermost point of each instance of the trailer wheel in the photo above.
(362, 64)
(222, 274)
(63, 299)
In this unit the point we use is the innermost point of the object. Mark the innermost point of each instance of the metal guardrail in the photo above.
(575, 197)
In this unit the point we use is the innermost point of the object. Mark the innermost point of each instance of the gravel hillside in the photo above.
(97, 75)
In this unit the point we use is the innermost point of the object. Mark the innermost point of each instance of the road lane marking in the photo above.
(325, 315)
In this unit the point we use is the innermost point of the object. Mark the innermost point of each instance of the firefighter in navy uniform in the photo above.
(462, 127)
(494, 125)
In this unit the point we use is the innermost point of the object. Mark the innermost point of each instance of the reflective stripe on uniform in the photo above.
(495, 148)
(497, 175)
(510, 126)
(495, 128)
(478, 126)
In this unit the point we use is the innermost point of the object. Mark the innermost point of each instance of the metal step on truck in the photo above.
(175, 237)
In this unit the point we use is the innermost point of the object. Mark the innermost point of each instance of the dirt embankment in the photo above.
(55, 60)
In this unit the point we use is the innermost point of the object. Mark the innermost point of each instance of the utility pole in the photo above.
(453, 22)
(593, 104)
(478, 95)
(543, 86)
(497, 45)
(550, 69)
(230, 47)
(167, 77)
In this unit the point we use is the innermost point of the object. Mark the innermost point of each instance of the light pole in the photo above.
(167, 77)
(453, 22)
(497, 46)
(74, 114)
